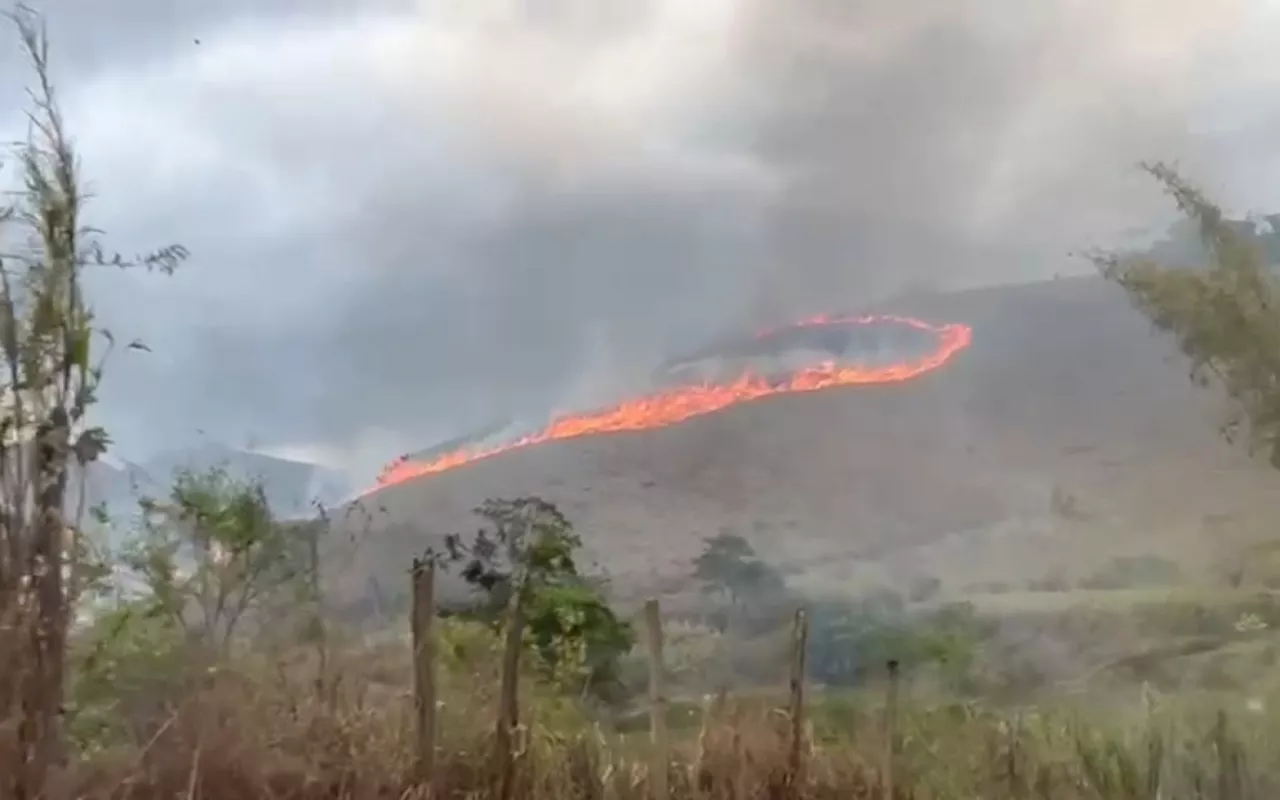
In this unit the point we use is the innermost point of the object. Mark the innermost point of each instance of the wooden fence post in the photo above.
(660, 757)
(891, 731)
(799, 662)
(424, 665)
(509, 698)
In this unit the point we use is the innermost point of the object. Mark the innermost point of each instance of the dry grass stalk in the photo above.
(1230, 782)
(737, 754)
(710, 739)
(891, 732)
(1014, 744)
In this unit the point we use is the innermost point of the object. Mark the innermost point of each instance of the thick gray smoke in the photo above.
(409, 219)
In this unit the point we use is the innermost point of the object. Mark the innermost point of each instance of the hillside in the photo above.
(1066, 434)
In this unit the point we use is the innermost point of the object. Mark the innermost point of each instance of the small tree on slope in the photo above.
(728, 565)
(49, 376)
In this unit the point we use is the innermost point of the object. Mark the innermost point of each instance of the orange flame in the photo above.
(672, 406)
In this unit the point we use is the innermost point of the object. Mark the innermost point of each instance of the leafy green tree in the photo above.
(1223, 314)
(527, 553)
(52, 354)
(210, 554)
(201, 562)
(728, 566)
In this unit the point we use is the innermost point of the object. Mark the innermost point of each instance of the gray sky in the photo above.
(407, 218)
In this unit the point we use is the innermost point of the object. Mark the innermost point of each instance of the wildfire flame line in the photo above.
(672, 406)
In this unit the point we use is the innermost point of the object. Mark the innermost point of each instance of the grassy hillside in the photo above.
(1064, 436)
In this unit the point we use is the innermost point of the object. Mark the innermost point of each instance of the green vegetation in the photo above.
(1128, 572)
(530, 549)
(852, 641)
(210, 555)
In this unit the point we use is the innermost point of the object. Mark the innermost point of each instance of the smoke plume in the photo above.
(409, 219)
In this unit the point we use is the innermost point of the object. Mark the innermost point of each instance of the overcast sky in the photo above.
(408, 218)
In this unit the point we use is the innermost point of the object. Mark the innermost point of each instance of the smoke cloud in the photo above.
(409, 219)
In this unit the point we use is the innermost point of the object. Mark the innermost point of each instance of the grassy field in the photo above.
(260, 727)
(260, 739)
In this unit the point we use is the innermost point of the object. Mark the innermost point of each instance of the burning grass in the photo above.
(677, 404)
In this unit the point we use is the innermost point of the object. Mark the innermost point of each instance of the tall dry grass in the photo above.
(260, 730)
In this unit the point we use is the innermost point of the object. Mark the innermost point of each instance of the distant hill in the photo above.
(292, 487)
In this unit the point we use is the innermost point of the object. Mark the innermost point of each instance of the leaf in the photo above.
(78, 349)
(90, 445)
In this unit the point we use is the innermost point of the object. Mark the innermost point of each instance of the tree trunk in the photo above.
(41, 729)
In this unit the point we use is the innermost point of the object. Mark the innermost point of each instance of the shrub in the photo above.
(923, 589)
(850, 641)
(1055, 581)
(1134, 572)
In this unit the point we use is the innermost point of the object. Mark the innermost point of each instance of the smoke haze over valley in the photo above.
(411, 219)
